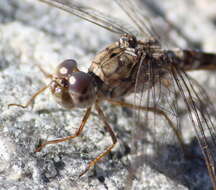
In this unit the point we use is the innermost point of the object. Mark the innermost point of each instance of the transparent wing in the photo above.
(152, 22)
(182, 99)
(142, 22)
(202, 115)
(155, 11)
(94, 16)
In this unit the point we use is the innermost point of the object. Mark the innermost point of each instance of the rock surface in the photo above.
(33, 33)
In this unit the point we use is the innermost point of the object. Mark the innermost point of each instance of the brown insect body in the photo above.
(120, 64)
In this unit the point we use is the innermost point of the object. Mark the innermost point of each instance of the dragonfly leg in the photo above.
(31, 100)
(45, 73)
(109, 148)
(77, 133)
(156, 111)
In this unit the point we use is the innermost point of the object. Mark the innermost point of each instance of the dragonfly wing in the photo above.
(92, 15)
(142, 22)
(152, 22)
(202, 115)
(189, 108)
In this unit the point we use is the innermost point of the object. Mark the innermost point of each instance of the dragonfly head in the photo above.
(71, 87)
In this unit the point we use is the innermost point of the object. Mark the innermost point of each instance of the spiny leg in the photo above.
(109, 148)
(31, 99)
(45, 73)
(77, 133)
(156, 111)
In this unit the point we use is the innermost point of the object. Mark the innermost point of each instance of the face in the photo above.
(71, 87)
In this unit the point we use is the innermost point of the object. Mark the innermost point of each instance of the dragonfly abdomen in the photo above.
(196, 60)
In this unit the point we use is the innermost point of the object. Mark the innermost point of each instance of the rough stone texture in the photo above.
(32, 33)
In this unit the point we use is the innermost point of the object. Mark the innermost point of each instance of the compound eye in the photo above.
(66, 68)
(81, 89)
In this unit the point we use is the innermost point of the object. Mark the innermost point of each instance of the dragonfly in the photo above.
(133, 66)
